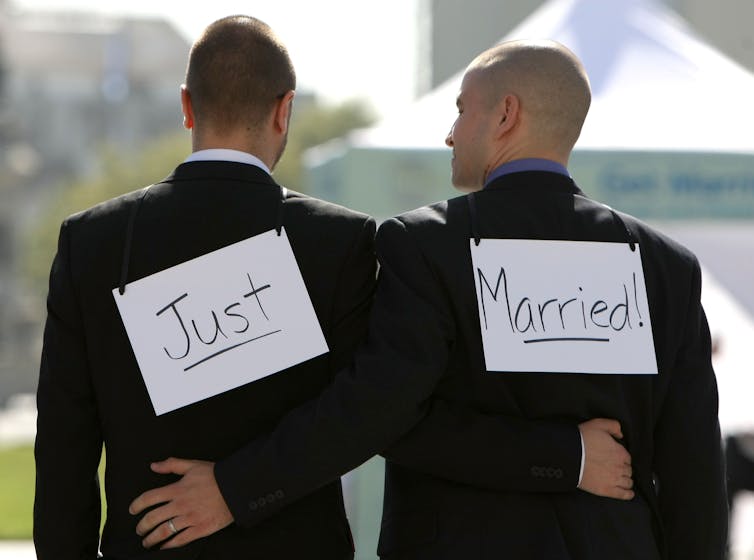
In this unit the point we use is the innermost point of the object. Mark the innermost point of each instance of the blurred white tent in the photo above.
(733, 332)
(655, 85)
(670, 132)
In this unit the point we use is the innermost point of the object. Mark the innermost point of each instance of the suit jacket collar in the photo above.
(534, 182)
(214, 170)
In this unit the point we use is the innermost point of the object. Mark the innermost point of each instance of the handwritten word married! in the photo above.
(566, 315)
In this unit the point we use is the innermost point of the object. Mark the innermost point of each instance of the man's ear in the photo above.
(283, 110)
(187, 108)
(507, 112)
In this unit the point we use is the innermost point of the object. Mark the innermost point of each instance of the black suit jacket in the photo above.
(91, 392)
(489, 472)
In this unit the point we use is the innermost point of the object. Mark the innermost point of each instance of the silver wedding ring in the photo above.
(171, 526)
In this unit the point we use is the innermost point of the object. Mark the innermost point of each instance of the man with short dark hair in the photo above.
(237, 72)
(237, 103)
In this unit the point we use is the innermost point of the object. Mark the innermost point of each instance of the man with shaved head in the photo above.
(479, 485)
(542, 94)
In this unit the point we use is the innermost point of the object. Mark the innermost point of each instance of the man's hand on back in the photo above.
(607, 464)
(191, 508)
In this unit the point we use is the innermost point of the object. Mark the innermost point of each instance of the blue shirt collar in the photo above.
(528, 164)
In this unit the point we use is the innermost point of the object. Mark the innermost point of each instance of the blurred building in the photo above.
(451, 33)
(75, 79)
(71, 84)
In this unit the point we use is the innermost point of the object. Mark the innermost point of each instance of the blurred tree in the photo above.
(312, 124)
(118, 175)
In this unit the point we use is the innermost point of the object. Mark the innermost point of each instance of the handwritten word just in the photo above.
(216, 327)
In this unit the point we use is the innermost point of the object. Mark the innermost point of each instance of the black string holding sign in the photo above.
(132, 223)
(629, 234)
(471, 199)
(281, 206)
(129, 238)
(474, 220)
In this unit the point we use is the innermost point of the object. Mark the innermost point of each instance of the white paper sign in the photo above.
(220, 321)
(562, 306)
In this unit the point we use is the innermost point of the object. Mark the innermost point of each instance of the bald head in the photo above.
(549, 81)
(237, 70)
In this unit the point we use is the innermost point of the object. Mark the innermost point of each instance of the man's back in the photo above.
(504, 440)
(426, 516)
(91, 389)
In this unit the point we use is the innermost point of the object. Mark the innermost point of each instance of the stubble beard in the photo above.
(281, 150)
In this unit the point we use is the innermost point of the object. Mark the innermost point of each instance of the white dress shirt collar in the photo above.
(224, 154)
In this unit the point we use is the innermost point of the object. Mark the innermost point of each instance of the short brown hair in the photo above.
(236, 71)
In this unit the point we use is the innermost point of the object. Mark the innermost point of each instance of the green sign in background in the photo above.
(669, 185)
(650, 185)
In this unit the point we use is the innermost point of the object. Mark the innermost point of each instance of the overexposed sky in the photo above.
(341, 49)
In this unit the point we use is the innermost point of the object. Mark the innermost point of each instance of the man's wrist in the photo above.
(583, 458)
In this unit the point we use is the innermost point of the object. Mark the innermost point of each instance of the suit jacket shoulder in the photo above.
(652, 235)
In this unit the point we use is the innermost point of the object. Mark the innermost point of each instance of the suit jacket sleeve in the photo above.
(494, 452)
(69, 441)
(368, 405)
(384, 392)
(688, 457)
(354, 297)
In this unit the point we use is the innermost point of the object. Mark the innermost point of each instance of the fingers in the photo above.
(187, 530)
(163, 493)
(607, 467)
(163, 531)
(608, 425)
(624, 490)
(618, 493)
(185, 537)
(172, 466)
(623, 487)
(612, 427)
(623, 455)
(150, 498)
(157, 517)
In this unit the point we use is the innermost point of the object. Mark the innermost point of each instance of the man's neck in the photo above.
(238, 141)
(526, 164)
